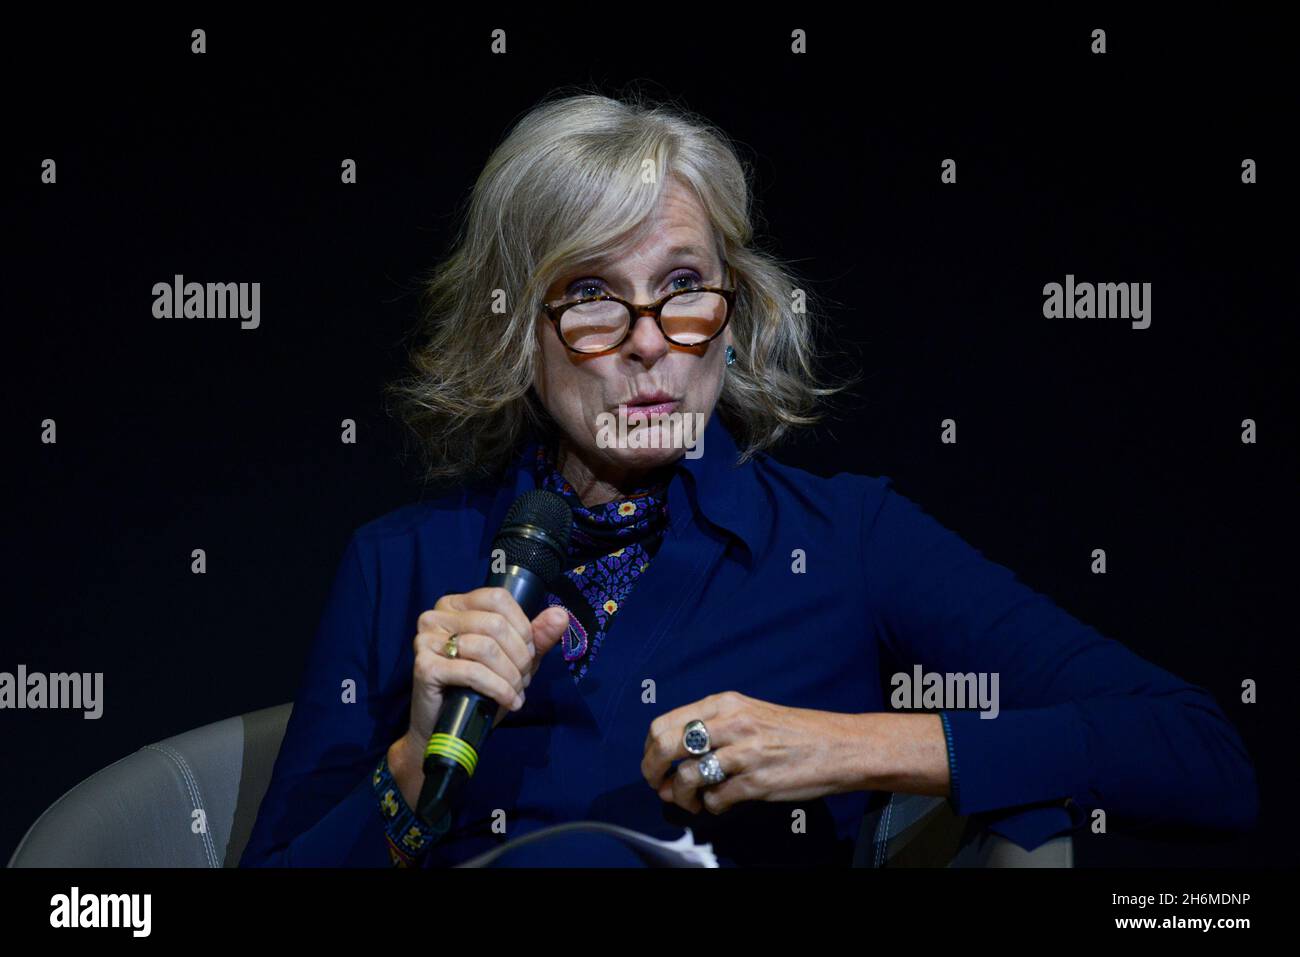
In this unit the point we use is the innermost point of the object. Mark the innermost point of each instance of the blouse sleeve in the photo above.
(1083, 722)
(409, 838)
(321, 809)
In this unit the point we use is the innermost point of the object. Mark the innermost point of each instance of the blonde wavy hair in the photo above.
(567, 184)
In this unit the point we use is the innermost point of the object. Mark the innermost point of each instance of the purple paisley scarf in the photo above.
(611, 547)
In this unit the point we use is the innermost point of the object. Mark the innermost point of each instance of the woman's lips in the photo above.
(653, 408)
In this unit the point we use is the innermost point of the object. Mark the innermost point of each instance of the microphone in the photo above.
(534, 539)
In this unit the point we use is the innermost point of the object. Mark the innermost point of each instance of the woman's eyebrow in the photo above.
(600, 265)
(687, 251)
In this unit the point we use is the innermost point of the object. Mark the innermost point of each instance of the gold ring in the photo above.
(450, 649)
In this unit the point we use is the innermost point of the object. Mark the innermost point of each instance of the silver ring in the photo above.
(695, 739)
(710, 770)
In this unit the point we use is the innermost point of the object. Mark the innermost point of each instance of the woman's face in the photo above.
(576, 389)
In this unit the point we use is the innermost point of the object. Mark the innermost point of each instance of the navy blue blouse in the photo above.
(1083, 721)
(610, 547)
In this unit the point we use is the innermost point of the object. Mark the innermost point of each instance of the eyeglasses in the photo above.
(687, 317)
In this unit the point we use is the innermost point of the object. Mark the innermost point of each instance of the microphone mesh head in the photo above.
(545, 549)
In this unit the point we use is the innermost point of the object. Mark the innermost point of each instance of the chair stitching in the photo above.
(195, 796)
(882, 845)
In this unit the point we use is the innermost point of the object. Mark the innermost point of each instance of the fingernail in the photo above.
(532, 648)
(519, 702)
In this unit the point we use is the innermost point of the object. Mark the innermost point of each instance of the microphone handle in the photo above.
(465, 718)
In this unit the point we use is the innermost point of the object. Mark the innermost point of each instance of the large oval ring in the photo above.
(450, 650)
(710, 770)
(696, 737)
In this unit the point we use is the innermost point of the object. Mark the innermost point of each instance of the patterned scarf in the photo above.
(611, 547)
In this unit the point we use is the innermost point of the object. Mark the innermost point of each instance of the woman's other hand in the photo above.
(768, 752)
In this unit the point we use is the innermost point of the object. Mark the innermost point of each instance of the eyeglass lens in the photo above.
(688, 318)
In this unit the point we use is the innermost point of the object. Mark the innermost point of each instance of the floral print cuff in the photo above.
(406, 833)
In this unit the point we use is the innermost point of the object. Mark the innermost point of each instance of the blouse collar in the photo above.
(712, 486)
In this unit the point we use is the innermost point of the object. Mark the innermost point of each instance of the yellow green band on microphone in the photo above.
(450, 746)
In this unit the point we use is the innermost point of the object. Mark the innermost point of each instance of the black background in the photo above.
(1073, 434)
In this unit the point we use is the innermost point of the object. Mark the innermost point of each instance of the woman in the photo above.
(714, 597)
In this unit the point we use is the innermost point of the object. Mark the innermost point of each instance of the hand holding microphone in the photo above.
(497, 651)
(493, 658)
(501, 633)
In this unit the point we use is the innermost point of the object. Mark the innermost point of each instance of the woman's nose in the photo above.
(646, 339)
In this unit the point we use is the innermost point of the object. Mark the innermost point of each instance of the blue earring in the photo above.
(731, 356)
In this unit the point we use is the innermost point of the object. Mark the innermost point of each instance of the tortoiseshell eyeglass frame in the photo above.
(636, 311)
